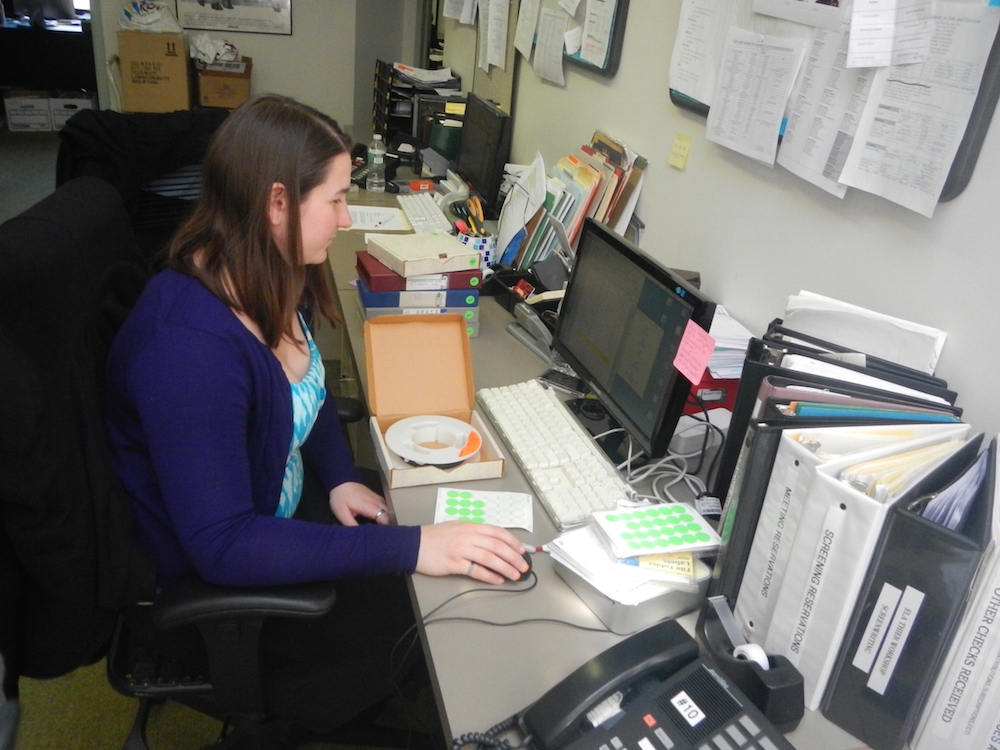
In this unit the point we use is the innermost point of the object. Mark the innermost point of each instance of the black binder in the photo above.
(764, 358)
(779, 334)
(910, 605)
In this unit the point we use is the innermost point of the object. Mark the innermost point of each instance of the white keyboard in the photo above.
(424, 215)
(570, 474)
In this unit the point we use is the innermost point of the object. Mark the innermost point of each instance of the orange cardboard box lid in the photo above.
(418, 364)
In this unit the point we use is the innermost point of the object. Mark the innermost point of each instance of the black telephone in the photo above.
(650, 691)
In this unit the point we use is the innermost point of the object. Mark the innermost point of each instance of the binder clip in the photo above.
(776, 690)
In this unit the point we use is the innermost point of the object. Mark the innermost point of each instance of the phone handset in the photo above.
(560, 715)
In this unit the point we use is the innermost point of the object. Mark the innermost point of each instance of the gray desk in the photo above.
(482, 674)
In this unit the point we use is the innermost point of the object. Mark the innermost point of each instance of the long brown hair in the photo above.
(269, 139)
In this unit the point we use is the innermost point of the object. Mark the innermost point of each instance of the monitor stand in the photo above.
(596, 420)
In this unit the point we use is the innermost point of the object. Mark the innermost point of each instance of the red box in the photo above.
(713, 393)
(378, 277)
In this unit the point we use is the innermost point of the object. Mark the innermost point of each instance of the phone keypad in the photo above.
(734, 737)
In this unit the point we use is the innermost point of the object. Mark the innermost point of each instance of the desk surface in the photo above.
(482, 674)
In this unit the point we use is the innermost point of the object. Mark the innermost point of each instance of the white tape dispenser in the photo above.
(439, 441)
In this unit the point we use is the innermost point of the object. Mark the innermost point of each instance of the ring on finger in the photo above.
(469, 571)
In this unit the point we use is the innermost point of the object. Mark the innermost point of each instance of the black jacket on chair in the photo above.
(66, 550)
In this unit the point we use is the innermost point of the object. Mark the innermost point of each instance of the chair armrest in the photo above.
(193, 600)
(349, 409)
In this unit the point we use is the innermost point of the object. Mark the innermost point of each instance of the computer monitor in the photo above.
(483, 150)
(620, 326)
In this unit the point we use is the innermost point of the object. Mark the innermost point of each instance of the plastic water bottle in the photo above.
(375, 182)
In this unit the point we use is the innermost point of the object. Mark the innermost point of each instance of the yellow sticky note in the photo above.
(680, 150)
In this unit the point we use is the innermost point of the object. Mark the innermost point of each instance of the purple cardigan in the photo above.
(198, 415)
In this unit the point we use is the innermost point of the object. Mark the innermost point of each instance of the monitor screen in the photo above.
(484, 149)
(620, 325)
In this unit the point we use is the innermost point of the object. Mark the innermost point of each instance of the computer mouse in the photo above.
(527, 559)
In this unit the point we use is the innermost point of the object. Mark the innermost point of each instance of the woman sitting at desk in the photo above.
(224, 439)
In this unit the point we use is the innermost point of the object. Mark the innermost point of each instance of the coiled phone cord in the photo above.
(489, 739)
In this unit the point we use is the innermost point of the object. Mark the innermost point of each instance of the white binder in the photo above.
(800, 452)
(963, 708)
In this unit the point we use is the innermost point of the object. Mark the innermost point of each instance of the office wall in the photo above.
(316, 64)
(758, 234)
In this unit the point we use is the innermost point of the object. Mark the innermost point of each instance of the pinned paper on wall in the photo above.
(694, 352)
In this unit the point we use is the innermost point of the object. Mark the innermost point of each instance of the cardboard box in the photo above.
(421, 364)
(154, 69)
(28, 111)
(224, 84)
(422, 254)
(64, 107)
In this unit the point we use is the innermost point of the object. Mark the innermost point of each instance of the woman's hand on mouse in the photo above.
(487, 553)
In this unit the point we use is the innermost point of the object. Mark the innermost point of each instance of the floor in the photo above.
(27, 169)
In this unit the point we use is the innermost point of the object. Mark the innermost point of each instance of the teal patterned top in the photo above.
(308, 396)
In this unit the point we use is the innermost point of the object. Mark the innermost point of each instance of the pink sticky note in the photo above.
(694, 352)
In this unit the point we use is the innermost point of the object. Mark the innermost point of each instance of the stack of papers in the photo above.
(857, 328)
(631, 575)
(731, 339)
(424, 78)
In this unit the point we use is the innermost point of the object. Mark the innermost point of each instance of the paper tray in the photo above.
(624, 619)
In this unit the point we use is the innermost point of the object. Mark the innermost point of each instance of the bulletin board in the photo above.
(971, 144)
(617, 36)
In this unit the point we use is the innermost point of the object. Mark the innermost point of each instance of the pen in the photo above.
(477, 207)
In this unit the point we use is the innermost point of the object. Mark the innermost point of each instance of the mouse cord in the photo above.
(411, 636)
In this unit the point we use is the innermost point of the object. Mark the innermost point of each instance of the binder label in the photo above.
(878, 625)
(895, 639)
(791, 480)
(428, 283)
(818, 570)
(976, 672)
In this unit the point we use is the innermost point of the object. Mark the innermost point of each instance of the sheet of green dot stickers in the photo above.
(671, 527)
(508, 509)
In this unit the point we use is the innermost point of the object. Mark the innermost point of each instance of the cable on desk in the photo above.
(722, 438)
(412, 635)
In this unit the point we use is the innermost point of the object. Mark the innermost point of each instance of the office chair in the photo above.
(69, 273)
(152, 159)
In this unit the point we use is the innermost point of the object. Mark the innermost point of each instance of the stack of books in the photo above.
(409, 275)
